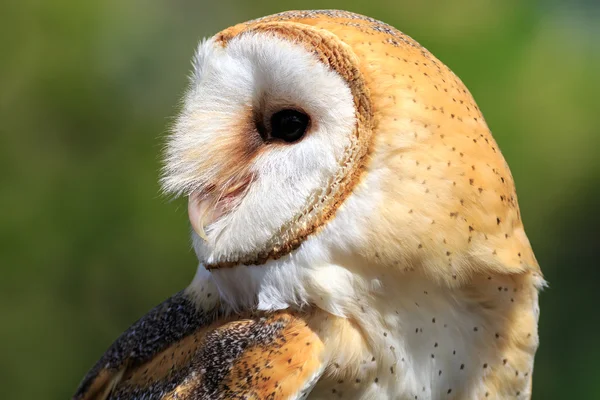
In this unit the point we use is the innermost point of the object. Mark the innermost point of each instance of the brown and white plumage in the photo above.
(380, 255)
(180, 352)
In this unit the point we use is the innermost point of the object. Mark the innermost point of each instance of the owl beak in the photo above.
(199, 212)
(205, 207)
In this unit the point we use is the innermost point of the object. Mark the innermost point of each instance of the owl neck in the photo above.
(449, 336)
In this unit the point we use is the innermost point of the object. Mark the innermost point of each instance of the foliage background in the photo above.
(87, 90)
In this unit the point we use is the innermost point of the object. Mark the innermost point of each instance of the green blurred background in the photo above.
(88, 89)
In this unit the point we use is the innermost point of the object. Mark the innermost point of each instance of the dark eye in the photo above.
(289, 125)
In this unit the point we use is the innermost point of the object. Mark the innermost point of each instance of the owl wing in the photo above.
(179, 352)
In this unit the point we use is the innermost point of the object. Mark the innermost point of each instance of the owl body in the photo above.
(357, 229)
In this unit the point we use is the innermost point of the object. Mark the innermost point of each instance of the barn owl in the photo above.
(356, 226)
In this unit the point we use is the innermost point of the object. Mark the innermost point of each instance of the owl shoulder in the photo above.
(178, 351)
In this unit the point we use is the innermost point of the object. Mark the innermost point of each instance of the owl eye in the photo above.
(289, 125)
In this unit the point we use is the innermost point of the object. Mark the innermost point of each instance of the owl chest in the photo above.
(428, 343)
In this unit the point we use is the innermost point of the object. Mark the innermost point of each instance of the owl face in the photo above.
(265, 137)
(337, 132)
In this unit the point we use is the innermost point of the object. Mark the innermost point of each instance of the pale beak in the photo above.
(199, 209)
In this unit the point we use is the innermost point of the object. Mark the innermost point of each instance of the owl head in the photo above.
(326, 137)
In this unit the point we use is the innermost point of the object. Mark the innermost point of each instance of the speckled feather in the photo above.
(443, 295)
(179, 352)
